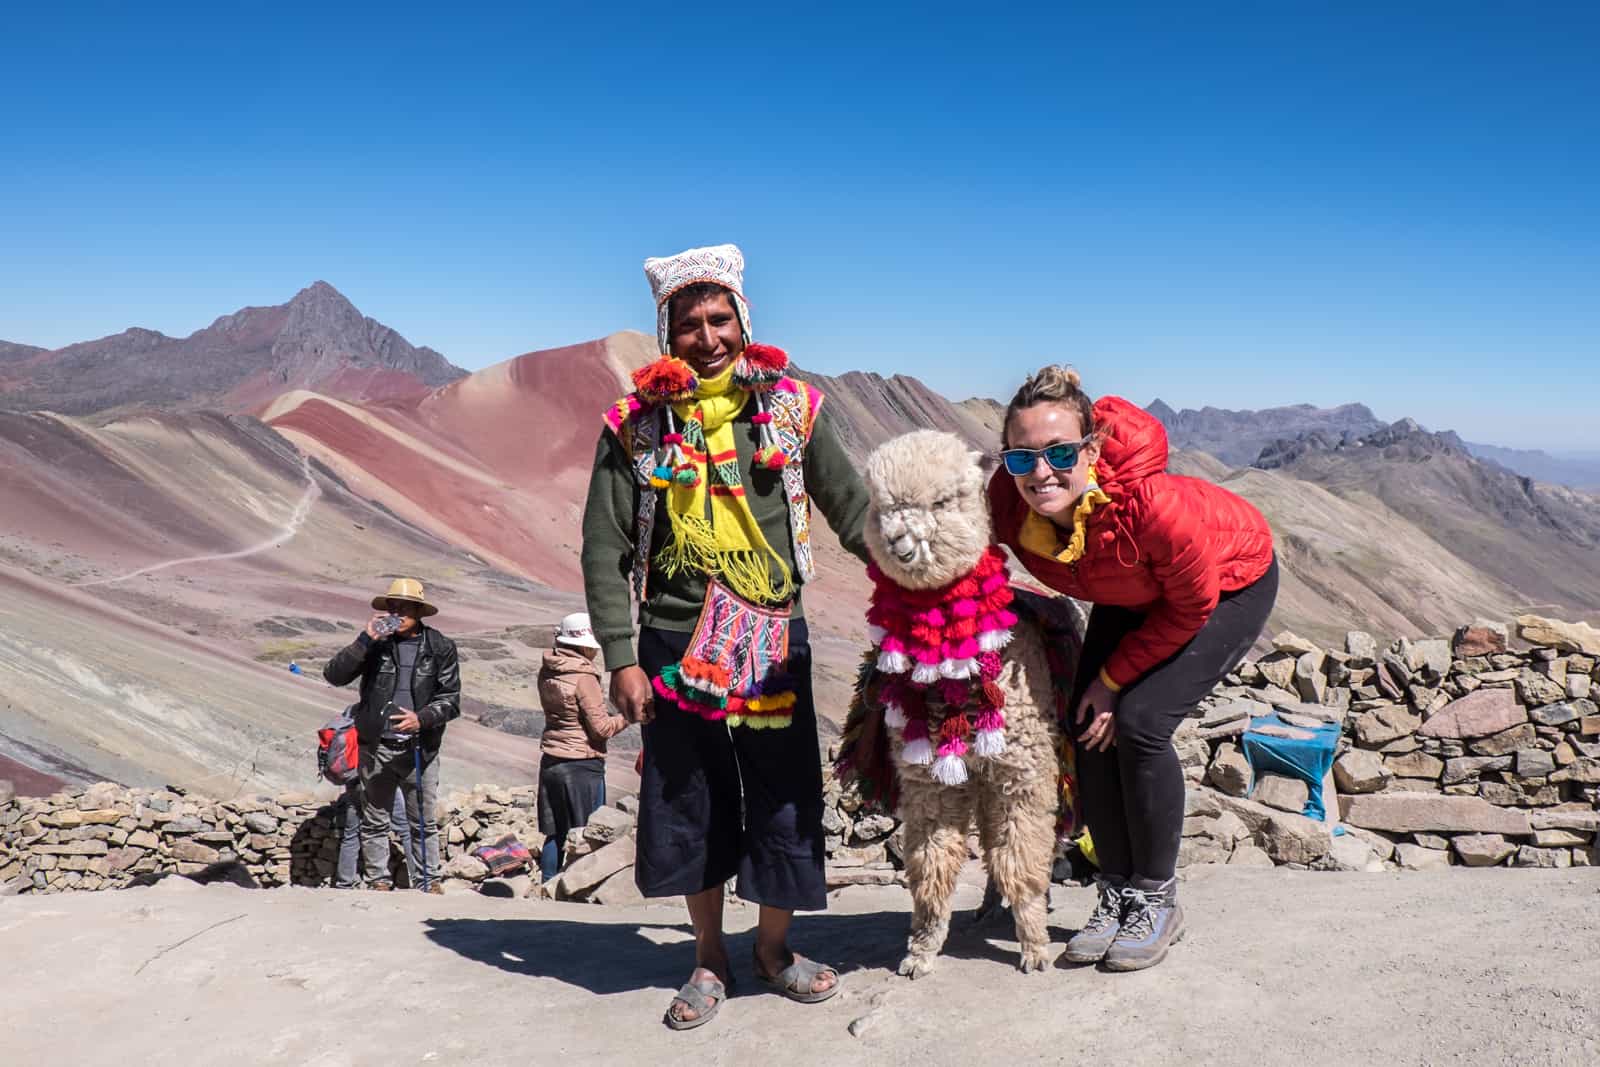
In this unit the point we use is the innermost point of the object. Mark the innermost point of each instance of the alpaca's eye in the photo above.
(942, 503)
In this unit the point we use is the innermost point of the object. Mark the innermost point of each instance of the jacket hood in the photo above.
(566, 661)
(1133, 445)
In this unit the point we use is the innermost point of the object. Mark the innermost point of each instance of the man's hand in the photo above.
(405, 721)
(373, 622)
(1099, 706)
(631, 693)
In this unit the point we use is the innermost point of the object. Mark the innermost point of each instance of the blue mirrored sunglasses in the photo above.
(1061, 457)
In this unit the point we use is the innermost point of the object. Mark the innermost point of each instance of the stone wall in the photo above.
(1452, 751)
(109, 836)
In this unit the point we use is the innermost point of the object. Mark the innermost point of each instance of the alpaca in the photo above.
(948, 636)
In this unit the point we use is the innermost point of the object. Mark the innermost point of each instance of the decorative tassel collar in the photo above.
(945, 644)
(670, 380)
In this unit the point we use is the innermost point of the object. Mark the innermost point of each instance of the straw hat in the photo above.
(576, 632)
(408, 589)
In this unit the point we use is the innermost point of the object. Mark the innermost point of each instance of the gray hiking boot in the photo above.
(1089, 945)
(1151, 923)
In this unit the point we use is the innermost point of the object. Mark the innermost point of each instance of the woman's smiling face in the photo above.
(1047, 491)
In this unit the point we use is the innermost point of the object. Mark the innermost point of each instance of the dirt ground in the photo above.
(1492, 966)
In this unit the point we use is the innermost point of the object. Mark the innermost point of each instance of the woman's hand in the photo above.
(1099, 707)
(631, 694)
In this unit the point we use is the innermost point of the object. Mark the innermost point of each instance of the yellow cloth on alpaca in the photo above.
(713, 529)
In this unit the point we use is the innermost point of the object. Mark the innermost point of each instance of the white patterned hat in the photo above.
(576, 631)
(720, 264)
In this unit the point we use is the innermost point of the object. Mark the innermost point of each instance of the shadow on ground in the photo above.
(610, 957)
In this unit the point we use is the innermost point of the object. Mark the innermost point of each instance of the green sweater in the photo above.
(674, 603)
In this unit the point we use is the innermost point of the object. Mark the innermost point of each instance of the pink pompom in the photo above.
(989, 665)
(990, 719)
(964, 609)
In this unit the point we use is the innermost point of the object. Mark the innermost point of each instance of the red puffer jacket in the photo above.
(1162, 544)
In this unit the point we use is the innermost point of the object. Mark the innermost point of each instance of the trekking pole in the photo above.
(422, 815)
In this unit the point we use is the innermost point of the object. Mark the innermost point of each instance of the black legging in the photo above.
(1133, 793)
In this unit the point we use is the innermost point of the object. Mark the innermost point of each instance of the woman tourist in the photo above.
(1182, 576)
(572, 748)
(700, 506)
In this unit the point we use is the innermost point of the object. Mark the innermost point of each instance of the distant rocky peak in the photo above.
(1403, 439)
(1162, 411)
(319, 294)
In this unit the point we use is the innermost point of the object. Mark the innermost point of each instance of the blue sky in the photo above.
(1239, 205)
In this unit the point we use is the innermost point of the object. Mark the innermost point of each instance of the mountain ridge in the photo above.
(238, 363)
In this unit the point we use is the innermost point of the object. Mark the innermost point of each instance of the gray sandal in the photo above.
(795, 980)
(694, 996)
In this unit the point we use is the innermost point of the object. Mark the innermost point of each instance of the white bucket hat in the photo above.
(576, 632)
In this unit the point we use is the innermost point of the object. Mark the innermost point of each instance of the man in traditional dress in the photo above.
(699, 507)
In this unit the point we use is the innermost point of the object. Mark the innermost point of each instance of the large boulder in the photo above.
(1286, 838)
(1552, 633)
(1348, 852)
(606, 825)
(1281, 792)
(1384, 724)
(589, 871)
(1478, 714)
(1414, 765)
(1560, 714)
(1481, 638)
(1482, 850)
(1229, 770)
(1405, 812)
(1360, 771)
(1417, 858)
(466, 867)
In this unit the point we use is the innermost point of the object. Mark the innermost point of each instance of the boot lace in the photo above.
(1139, 918)
(1108, 912)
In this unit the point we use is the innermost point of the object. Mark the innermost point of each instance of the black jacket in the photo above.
(435, 684)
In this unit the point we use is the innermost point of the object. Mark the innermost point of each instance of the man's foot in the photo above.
(797, 977)
(436, 888)
(383, 885)
(1152, 923)
(699, 998)
(1090, 944)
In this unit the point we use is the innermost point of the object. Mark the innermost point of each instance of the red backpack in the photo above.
(338, 750)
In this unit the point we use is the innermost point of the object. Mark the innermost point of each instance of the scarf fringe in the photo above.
(749, 572)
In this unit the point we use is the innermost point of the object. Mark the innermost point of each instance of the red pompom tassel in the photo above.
(766, 357)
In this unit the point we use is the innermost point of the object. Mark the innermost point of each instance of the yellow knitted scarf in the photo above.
(1044, 538)
(713, 530)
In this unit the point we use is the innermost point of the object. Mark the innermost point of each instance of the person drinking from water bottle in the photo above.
(410, 688)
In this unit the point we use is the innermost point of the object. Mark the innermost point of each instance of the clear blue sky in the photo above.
(1239, 205)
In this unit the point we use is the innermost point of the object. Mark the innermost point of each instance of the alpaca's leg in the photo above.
(1021, 827)
(936, 821)
(993, 907)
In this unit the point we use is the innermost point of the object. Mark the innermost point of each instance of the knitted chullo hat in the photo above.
(720, 264)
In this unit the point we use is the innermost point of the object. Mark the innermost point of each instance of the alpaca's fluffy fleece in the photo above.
(928, 524)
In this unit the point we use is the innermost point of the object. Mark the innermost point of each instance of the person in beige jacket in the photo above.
(572, 760)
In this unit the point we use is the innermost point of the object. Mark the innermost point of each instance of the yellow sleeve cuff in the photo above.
(1105, 680)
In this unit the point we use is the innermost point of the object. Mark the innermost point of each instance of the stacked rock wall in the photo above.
(1452, 751)
(109, 837)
